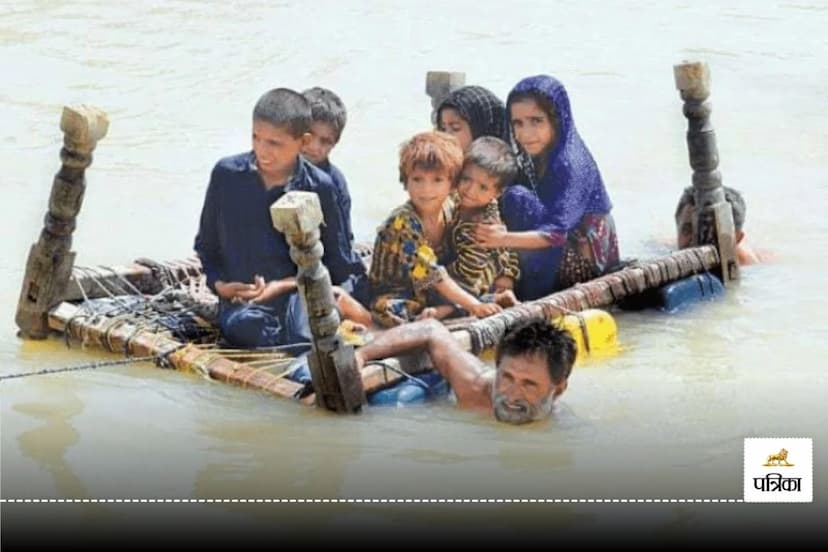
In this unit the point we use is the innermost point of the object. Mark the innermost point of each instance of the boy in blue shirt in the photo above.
(328, 121)
(329, 116)
(246, 261)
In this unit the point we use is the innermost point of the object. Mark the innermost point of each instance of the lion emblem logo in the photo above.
(779, 459)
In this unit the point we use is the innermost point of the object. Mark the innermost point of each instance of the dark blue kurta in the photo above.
(236, 241)
(343, 195)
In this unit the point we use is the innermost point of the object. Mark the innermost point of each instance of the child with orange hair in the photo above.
(407, 275)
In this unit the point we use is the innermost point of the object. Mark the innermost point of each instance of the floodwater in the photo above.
(664, 419)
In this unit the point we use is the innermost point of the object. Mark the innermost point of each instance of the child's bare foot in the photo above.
(354, 333)
(353, 327)
(506, 298)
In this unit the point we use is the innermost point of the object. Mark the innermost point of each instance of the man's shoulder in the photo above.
(747, 255)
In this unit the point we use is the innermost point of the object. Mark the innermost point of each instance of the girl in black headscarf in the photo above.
(471, 112)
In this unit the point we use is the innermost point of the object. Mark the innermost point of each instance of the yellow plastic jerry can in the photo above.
(594, 331)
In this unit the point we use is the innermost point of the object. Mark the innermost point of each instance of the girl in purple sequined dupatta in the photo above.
(557, 215)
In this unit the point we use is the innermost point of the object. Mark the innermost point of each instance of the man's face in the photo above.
(523, 390)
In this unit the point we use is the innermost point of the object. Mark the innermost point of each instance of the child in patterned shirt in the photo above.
(407, 274)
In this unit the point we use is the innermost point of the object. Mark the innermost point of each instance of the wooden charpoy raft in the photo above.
(244, 368)
(56, 295)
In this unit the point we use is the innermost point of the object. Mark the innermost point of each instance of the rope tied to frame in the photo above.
(79, 367)
(161, 360)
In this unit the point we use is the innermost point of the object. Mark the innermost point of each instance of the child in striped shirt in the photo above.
(488, 274)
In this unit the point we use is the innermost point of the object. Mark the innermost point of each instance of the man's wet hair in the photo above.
(734, 197)
(327, 107)
(286, 109)
(494, 156)
(542, 338)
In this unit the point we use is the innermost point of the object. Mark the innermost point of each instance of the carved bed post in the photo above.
(713, 219)
(50, 261)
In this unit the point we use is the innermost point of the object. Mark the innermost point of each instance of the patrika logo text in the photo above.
(783, 476)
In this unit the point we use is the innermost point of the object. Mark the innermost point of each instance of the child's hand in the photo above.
(506, 298)
(270, 290)
(252, 291)
(428, 312)
(234, 291)
(436, 312)
(482, 310)
(490, 235)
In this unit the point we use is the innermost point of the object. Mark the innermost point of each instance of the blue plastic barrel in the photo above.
(677, 295)
(407, 392)
(688, 291)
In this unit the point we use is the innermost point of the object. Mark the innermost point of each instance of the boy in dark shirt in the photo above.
(246, 261)
(328, 118)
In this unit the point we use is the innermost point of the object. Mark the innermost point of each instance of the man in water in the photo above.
(533, 363)
(685, 210)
